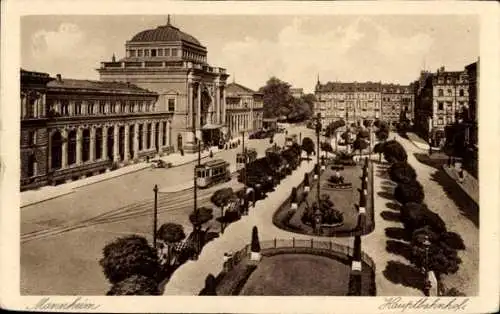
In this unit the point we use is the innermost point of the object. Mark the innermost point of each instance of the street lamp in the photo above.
(318, 131)
(427, 284)
(245, 156)
(195, 190)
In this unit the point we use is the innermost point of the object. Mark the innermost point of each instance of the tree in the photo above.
(402, 172)
(128, 256)
(277, 98)
(326, 147)
(409, 192)
(364, 134)
(222, 197)
(360, 144)
(255, 244)
(382, 135)
(308, 146)
(201, 216)
(306, 180)
(135, 285)
(171, 233)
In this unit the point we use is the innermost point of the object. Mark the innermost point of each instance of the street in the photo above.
(52, 232)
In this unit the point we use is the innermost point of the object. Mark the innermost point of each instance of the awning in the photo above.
(210, 126)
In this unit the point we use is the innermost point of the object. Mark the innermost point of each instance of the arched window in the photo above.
(86, 145)
(72, 147)
(56, 150)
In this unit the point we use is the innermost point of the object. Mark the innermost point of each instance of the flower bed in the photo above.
(345, 200)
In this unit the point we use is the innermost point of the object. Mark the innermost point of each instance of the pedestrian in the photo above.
(211, 154)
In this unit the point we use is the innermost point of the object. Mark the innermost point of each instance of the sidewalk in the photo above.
(470, 185)
(50, 192)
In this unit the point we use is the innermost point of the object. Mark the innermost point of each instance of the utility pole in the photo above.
(155, 215)
(245, 156)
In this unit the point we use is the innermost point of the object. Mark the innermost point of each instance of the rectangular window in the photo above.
(112, 107)
(153, 52)
(440, 121)
(102, 106)
(167, 52)
(65, 108)
(132, 53)
(139, 53)
(130, 106)
(160, 52)
(450, 93)
(174, 52)
(31, 138)
(90, 108)
(440, 106)
(123, 107)
(146, 52)
(171, 104)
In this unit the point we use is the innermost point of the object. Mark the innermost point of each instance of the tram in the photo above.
(212, 172)
(240, 158)
(290, 140)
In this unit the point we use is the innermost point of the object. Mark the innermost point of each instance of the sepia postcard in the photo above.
(249, 157)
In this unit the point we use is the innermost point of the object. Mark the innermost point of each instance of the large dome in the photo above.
(164, 33)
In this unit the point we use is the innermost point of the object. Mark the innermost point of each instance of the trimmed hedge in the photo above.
(402, 172)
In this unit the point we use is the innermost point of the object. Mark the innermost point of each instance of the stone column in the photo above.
(136, 141)
(64, 155)
(168, 134)
(92, 144)
(190, 104)
(161, 134)
(198, 120)
(116, 153)
(126, 154)
(104, 154)
(153, 135)
(223, 105)
(78, 146)
(144, 132)
(217, 105)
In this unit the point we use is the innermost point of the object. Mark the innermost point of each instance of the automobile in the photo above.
(158, 163)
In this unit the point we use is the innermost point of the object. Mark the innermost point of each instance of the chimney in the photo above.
(59, 78)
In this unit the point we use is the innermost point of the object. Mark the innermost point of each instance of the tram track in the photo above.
(167, 202)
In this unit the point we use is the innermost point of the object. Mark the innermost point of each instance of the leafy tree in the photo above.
(128, 256)
(409, 192)
(171, 233)
(201, 216)
(382, 135)
(222, 197)
(293, 197)
(363, 134)
(402, 172)
(135, 285)
(326, 147)
(308, 146)
(277, 98)
(255, 244)
(360, 144)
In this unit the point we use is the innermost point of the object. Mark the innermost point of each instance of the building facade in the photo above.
(297, 92)
(440, 100)
(353, 102)
(397, 102)
(89, 127)
(174, 65)
(244, 109)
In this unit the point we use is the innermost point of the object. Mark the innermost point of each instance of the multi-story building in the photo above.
(174, 65)
(297, 92)
(397, 100)
(244, 109)
(353, 102)
(78, 128)
(34, 139)
(441, 97)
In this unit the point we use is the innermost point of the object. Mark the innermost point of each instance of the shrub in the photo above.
(360, 144)
(382, 135)
(255, 245)
(378, 148)
(409, 192)
(210, 286)
(453, 240)
(394, 152)
(222, 197)
(364, 134)
(128, 256)
(306, 180)
(415, 216)
(293, 197)
(135, 285)
(402, 172)
(171, 233)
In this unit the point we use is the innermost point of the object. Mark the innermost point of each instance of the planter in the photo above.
(255, 256)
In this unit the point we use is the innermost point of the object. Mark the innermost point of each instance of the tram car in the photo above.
(240, 158)
(212, 172)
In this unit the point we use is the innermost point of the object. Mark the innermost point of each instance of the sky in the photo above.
(296, 49)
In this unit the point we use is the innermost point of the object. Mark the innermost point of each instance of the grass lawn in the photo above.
(303, 274)
(344, 200)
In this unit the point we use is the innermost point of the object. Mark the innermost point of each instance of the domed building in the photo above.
(174, 64)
